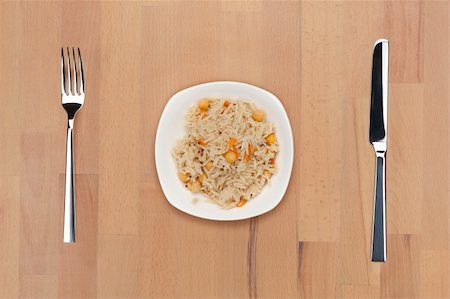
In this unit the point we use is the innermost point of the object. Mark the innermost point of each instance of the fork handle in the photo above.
(69, 196)
(379, 211)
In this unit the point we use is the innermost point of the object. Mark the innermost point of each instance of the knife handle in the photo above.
(379, 211)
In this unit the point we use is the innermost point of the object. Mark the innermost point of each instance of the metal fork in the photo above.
(72, 99)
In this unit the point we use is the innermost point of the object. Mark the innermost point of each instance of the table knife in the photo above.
(378, 137)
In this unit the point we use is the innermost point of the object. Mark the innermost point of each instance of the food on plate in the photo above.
(228, 153)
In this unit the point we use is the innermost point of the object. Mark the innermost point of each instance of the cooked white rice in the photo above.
(208, 135)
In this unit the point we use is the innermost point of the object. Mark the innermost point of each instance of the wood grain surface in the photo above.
(316, 57)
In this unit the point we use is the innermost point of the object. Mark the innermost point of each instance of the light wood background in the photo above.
(316, 57)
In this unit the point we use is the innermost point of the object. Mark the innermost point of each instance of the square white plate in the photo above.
(171, 128)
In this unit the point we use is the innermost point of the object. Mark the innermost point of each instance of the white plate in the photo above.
(171, 128)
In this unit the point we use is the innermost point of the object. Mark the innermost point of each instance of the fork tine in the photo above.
(75, 83)
(69, 73)
(63, 76)
(80, 64)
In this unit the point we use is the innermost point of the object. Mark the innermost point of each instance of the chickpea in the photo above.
(209, 165)
(194, 186)
(258, 115)
(203, 104)
(183, 177)
(231, 157)
(202, 177)
(267, 173)
(271, 139)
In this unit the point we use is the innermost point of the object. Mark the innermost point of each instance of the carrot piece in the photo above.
(232, 142)
(226, 103)
(241, 202)
(235, 151)
(202, 142)
(250, 152)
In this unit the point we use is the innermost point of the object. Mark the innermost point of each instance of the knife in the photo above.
(378, 138)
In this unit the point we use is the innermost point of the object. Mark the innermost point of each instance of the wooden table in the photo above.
(316, 57)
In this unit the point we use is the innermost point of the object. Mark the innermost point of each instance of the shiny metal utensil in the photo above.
(378, 137)
(72, 99)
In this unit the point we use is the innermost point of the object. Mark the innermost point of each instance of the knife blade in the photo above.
(378, 138)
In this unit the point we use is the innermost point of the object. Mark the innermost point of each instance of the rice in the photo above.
(240, 148)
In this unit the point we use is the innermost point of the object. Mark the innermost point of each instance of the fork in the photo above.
(72, 99)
